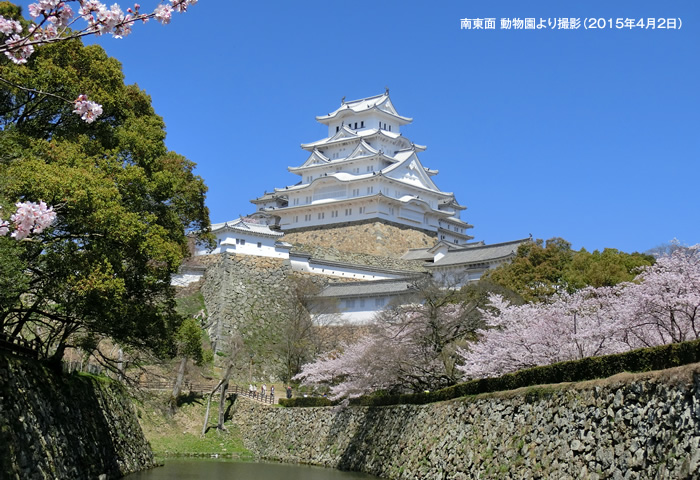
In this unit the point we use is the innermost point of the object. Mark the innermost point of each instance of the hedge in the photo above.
(306, 402)
(642, 360)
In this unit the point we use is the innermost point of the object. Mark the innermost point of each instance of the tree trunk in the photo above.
(222, 398)
(178, 386)
(206, 414)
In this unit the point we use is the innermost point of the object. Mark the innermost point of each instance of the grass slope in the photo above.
(180, 435)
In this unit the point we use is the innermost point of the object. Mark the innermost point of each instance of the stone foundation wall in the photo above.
(640, 427)
(251, 296)
(54, 426)
(374, 238)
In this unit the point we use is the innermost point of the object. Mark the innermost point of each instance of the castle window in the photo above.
(355, 192)
(259, 244)
(355, 125)
(362, 210)
(390, 128)
(350, 303)
(348, 211)
(296, 218)
(337, 129)
(362, 124)
(321, 215)
(370, 190)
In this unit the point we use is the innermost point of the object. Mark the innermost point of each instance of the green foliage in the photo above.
(124, 204)
(642, 360)
(542, 269)
(188, 340)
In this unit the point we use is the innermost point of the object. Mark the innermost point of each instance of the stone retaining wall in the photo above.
(629, 427)
(54, 426)
(374, 238)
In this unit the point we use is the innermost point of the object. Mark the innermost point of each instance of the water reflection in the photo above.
(218, 469)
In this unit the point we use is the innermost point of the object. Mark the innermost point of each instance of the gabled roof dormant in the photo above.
(316, 158)
(378, 103)
(409, 170)
(364, 149)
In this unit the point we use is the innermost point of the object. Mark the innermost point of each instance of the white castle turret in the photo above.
(365, 170)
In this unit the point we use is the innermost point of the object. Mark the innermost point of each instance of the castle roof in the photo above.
(477, 253)
(374, 288)
(378, 103)
(345, 134)
(243, 226)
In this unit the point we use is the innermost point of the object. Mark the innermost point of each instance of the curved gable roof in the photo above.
(316, 158)
(380, 103)
(410, 170)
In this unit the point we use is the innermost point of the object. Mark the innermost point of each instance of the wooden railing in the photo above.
(204, 388)
(18, 345)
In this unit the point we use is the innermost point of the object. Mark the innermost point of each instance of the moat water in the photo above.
(220, 469)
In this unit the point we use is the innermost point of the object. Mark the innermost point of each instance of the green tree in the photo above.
(188, 343)
(542, 269)
(604, 269)
(124, 202)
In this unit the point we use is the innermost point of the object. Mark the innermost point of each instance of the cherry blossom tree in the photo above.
(56, 21)
(661, 306)
(411, 348)
(572, 326)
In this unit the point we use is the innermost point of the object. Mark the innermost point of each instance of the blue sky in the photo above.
(592, 135)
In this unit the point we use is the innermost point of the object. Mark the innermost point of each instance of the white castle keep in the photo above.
(365, 169)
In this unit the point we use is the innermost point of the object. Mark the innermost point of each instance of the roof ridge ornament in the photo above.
(386, 90)
(342, 100)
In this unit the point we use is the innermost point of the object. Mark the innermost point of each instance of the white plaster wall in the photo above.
(226, 242)
(302, 264)
(184, 279)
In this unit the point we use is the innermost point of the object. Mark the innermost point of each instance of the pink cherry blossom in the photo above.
(30, 218)
(163, 13)
(87, 109)
(18, 51)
